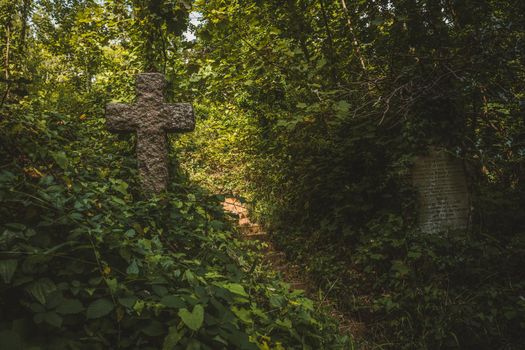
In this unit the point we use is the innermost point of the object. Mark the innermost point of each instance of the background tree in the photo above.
(329, 102)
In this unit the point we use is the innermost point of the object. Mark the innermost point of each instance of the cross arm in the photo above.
(178, 117)
(120, 118)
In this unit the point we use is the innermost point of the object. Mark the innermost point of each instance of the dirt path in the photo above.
(291, 273)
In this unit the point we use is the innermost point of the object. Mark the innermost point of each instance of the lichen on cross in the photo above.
(151, 118)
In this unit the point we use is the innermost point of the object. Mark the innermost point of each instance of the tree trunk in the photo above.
(355, 43)
(6, 63)
(331, 50)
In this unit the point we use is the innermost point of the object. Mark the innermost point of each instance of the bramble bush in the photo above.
(327, 104)
(86, 264)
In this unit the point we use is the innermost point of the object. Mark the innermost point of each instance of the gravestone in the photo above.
(151, 118)
(443, 197)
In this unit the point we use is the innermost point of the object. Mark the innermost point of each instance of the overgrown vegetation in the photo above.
(313, 110)
(86, 265)
(85, 261)
(325, 105)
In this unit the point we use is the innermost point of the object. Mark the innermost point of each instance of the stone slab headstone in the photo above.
(151, 118)
(443, 196)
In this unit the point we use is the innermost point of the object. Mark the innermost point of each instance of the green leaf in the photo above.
(341, 108)
(99, 308)
(120, 186)
(154, 329)
(172, 301)
(277, 300)
(76, 216)
(54, 299)
(172, 339)
(286, 323)
(53, 319)
(192, 319)
(127, 302)
(112, 284)
(235, 288)
(159, 290)
(61, 159)
(414, 254)
(7, 269)
(243, 314)
(188, 276)
(70, 307)
(133, 268)
(139, 306)
(118, 200)
(130, 233)
(217, 225)
(41, 288)
(6, 176)
(15, 226)
(400, 267)
(194, 344)
(37, 308)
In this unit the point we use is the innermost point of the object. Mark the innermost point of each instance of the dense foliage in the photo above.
(314, 110)
(323, 106)
(86, 265)
(85, 261)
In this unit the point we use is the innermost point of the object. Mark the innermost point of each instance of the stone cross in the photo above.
(151, 119)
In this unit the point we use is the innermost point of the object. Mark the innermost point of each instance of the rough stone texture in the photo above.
(151, 119)
(443, 194)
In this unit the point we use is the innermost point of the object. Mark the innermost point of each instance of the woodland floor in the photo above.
(291, 273)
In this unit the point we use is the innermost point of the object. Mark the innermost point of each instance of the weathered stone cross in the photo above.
(151, 119)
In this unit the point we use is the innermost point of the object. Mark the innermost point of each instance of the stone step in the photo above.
(280, 266)
(245, 222)
(261, 236)
(248, 229)
(248, 223)
(275, 256)
(298, 285)
(275, 260)
(255, 229)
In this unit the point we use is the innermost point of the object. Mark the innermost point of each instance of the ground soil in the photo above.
(291, 273)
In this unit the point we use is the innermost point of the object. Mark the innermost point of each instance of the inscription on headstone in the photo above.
(442, 192)
(151, 118)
